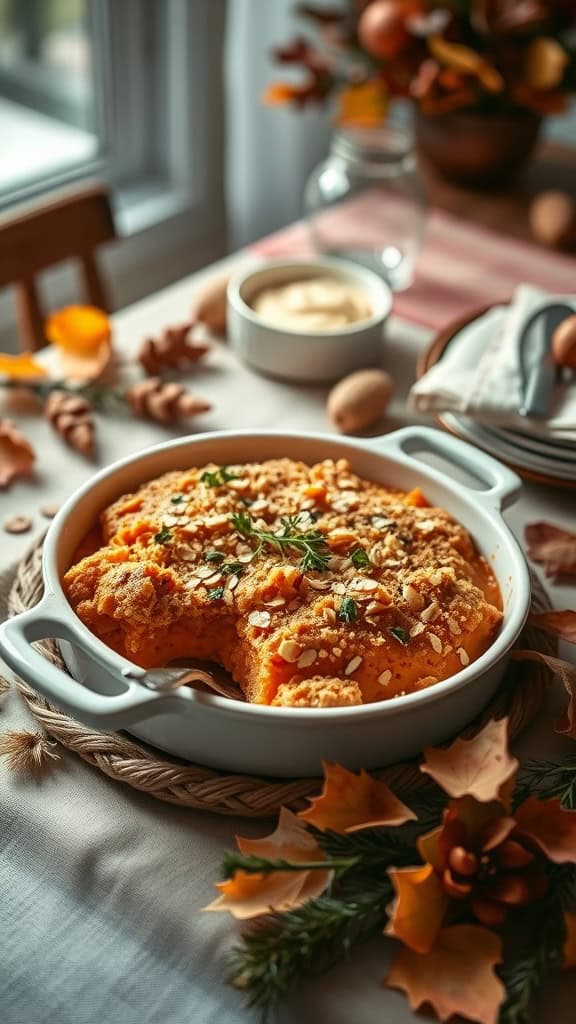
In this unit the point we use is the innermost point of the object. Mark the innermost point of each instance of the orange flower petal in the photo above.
(562, 624)
(350, 802)
(16, 454)
(278, 93)
(418, 911)
(570, 941)
(251, 895)
(480, 767)
(20, 367)
(550, 826)
(456, 976)
(83, 336)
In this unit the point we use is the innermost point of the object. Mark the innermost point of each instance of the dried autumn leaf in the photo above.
(544, 64)
(550, 826)
(83, 337)
(281, 890)
(363, 105)
(562, 624)
(456, 976)
(350, 802)
(480, 767)
(418, 911)
(569, 949)
(462, 58)
(21, 367)
(552, 547)
(16, 454)
(566, 725)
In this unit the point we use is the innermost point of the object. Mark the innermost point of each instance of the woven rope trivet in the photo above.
(188, 785)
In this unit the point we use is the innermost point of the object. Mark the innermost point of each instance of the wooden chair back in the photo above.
(69, 226)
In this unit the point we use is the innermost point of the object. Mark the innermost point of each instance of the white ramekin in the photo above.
(109, 692)
(312, 355)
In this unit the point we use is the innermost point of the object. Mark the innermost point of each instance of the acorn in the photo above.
(564, 343)
(382, 29)
(553, 219)
(359, 400)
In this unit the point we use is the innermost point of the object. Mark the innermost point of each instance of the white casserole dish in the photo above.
(109, 692)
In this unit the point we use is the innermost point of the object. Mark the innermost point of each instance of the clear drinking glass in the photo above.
(366, 202)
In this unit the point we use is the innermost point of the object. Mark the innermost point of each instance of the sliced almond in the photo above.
(212, 580)
(352, 665)
(464, 656)
(290, 651)
(233, 582)
(363, 584)
(431, 613)
(435, 642)
(338, 588)
(414, 600)
(259, 619)
(385, 677)
(329, 615)
(307, 658)
(319, 584)
(453, 626)
(276, 602)
(416, 629)
(203, 572)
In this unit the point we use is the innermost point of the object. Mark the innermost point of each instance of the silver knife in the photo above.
(537, 368)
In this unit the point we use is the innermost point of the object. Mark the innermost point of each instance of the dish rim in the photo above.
(503, 642)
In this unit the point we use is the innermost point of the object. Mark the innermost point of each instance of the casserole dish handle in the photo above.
(502, 485)
(104, 711)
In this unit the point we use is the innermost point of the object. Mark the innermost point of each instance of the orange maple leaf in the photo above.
(567, 673)
(569, 949)
(363, 105)
(417, 913)
(247, 895)
(562, 624)
(21, 367)
(350, 802)
(481, 767)
(550, 826)
(552, 547)
(456, 976)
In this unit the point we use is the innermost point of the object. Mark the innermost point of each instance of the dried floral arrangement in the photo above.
(82, 337)
(485, 56)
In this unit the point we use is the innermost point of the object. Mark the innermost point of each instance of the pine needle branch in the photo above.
(548, 779)
(266, 866)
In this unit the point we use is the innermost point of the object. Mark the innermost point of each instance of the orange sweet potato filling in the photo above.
(393, 599)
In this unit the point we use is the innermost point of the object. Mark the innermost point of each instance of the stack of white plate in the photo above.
(533, 452)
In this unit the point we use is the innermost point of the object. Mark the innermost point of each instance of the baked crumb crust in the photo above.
(401, 600)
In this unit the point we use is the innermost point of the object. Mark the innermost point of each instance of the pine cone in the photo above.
(71, 417)
(173, 348)
(164, 402)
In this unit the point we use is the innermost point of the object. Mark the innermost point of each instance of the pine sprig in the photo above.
(369, 846)
(266, 866)
(311, 544)
(548, 780)
(279, 953)
(525, 975)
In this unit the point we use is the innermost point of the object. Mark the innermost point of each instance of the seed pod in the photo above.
(165, 403)
(71, 417)
(462, 861)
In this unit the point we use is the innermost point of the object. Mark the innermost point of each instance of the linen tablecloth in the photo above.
(101, 887)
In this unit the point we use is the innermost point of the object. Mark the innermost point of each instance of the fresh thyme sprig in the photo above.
(219, 477)
(310, 543)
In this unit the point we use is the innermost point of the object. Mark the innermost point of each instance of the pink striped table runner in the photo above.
(461, 266)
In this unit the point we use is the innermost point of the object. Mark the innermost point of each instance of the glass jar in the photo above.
(366, 202)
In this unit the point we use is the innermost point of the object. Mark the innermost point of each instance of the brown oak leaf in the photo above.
(416, 914)
(349, 802)
(561, 623)
(16, 454)
(552, 547)
(456, 976)
(566, 725)
(480, 767)
(550, 826)
(247, 895)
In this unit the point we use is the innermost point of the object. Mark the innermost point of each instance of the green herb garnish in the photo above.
(401, 634)
(348, 611)
(163, 536)
(216, 594)
(177, 499)
(214, 556)
(232, 569)
(311, 543)
(218, 478)
(360, 559)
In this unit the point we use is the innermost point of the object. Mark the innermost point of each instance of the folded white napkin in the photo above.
(479, 375)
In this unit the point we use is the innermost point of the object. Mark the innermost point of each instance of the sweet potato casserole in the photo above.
(311, 585)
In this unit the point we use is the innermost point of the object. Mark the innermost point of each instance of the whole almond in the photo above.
(359, 400)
